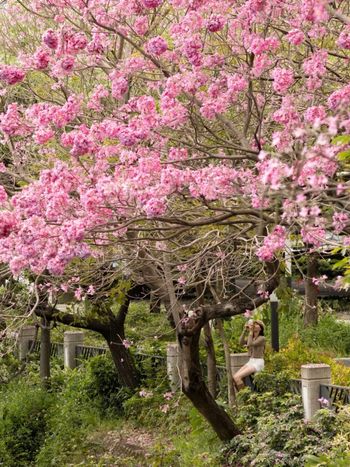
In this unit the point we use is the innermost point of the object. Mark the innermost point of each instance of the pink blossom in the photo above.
(126, 343)
(319, 280)
(215, 23)
(156, 46)
(313, 235)
(78, 294)
(340, 221)
(11, 122)
(3, 195)
(315, 114)
(282, 79)
(43, 135)
(50, 39)
(323, 402)
(141, 25)
(315, 65)
(41, 59)
(295, 36)
(155, 207)
(11, 74)
(119, 86)
(192, 49)
(339, 98)
(344, 39)
(248, 314)
(152, 3)
(168, 395)
(91, 290)
(77, 42)
(273, 242)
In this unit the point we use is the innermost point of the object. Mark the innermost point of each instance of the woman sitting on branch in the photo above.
(255, 342)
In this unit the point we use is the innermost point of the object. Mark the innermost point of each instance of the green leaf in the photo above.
(341, 264)
(341, 139)
(344, 155)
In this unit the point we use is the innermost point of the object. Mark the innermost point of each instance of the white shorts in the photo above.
(257, 363)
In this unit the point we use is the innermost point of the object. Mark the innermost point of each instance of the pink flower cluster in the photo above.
(273, 242)
(282, 79)
(11, 74)
(156, 46)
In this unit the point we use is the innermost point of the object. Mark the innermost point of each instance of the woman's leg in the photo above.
(246, 370)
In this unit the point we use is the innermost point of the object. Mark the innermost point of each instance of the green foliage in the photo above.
(102, 386)
(274, 433)
(24, 411)
(69, 421)
(297, 353)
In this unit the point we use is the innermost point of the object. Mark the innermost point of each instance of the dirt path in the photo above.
(125, 447)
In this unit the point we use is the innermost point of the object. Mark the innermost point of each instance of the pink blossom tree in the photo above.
(196, 136)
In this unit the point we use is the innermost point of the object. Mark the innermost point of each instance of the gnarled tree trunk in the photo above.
(111, 327)
(196, 390)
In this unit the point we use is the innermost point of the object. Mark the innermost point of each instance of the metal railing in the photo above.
(295, 386)
(87, 351)
(56, 348)
(335, 395)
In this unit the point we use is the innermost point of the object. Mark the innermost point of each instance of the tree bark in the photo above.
(230, 388)
(111, 327)
(45, 341)
(311, 292)
(211, 360)
(196, 390)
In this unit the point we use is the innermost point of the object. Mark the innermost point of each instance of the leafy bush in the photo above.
(70, 419)
(297, 353)
(102, 386)
(89, 393)
(274, 433)
(24, 411)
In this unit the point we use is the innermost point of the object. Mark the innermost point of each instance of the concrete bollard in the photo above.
(237, 361)
(312, 375)
(172, 366)
(26, 334)
(70, 342)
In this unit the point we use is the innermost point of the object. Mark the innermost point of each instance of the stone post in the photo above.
(312, 375)
(26, 334)
(237, 361)
(172, 366)
(70, 341)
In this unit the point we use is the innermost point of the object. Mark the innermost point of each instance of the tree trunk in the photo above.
(45, 341)
(230, 388)
(195, 389)
(211, 360)
(111, 327)
(122, 358)
(311, 292)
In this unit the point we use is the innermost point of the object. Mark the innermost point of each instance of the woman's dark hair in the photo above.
(261, 333)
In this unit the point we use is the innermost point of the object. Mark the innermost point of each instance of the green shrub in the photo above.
(24, 411)
(274, 433)
(70, 419)
(102, 386)
(290, 359)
